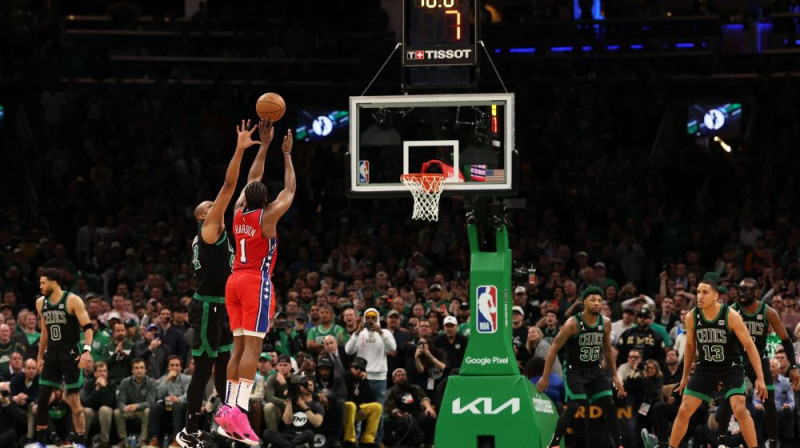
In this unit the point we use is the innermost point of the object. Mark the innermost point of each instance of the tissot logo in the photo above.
(451, 55)
(485, 406)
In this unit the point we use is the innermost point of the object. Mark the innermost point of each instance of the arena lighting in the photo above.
(684, 45)
(587, 48)
(722, 143)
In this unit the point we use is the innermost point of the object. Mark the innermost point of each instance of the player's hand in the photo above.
(40, 364)
(83, 358)
(761, 390)
(244, 137)
(620, 388)
(794, 375)
(543, 384)
(287, 141)
(430, 412)
(682, 385)
(266, 131)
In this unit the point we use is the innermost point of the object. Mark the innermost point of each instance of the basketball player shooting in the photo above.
(714, 332)
(212, 259)
(248, 293)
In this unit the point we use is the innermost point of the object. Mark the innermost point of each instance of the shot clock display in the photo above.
(438, 32)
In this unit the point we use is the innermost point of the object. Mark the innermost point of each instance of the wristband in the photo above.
(87, 348)
(287, 153)
(88, 326)
(789, 349)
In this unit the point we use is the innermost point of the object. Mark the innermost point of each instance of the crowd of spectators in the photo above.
(118, 170)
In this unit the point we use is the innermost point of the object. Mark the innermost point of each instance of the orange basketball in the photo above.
(270, 106)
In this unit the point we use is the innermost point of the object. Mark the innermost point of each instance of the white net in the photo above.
(426, 189)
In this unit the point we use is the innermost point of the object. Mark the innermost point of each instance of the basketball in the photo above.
(270, 106)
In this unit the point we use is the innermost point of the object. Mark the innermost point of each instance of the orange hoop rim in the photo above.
(431, 182)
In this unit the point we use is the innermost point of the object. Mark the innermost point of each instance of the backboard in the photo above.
(467, 137)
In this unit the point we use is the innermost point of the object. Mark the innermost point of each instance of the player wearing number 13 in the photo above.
(586, 335)
(63, 315)
(714, 332)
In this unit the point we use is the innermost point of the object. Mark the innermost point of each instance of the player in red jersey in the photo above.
(248, 293)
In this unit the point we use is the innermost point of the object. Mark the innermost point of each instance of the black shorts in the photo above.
(704, 384)
(61, 365)
(765, 369)
(587, 384)
(212, 329)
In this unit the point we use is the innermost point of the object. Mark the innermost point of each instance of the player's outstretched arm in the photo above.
(266, 131)
(214, 224)
(736, 324)
(774, 319)
(569, 329)
(43, 337)
(286, 196)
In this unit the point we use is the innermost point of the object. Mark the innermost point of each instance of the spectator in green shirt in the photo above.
(316, 335)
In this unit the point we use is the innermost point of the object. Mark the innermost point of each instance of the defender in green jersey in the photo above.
(61, 358)
(758, 317)
(714, 332)
(586, 336)
(212, 261)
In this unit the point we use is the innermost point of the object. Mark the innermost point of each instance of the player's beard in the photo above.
(47, 291)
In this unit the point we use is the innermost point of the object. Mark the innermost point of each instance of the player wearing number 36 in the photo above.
(63, 316)
(586, 336)
(714, 333)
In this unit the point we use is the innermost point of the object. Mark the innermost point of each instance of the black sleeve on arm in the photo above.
(789, 349)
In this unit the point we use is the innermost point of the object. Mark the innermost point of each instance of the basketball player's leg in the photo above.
(701, 388)
(734, 388)
(574, 384)
(770, 411)
(78, 415)
(73, 378)
(600, 393)
(205, 321)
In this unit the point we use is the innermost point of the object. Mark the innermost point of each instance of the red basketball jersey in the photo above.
(253, 251)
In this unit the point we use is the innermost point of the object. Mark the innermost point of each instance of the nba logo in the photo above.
(363, 171)
(487, 309)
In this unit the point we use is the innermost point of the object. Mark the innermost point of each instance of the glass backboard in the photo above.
(467, 137)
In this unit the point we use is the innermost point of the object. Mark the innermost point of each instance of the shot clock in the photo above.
(439, 32)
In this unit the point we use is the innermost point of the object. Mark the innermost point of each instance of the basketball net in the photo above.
(426, 188)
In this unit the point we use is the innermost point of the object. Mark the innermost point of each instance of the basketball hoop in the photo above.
(426, 188)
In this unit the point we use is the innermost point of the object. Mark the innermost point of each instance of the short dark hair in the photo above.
(137, 361)
(255, 195)
(175, 357)
(712, 284)
(53, 274)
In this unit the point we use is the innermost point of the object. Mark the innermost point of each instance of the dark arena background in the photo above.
(652, 144)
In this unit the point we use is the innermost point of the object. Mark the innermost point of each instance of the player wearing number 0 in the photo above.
(212, 260)
(248, 294)
(60, 356)
(758, 317)
(714, 332)
(586, 335)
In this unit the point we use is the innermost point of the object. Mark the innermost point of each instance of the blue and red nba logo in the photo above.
(363, 171)
(487, 309)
